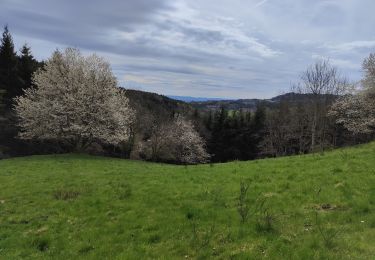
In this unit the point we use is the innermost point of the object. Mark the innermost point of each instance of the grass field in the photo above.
(319, 206)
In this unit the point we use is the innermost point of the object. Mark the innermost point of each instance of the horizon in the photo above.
(245, 49)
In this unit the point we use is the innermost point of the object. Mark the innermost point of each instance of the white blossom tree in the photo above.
(76, 100)
(189, 146)
(356, 112)
(175, 141)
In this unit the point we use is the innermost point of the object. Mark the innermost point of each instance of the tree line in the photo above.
(234, 134)
(16, 70)
(73, 103)
(317, 123)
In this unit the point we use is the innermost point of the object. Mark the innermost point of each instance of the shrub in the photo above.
(243, 206)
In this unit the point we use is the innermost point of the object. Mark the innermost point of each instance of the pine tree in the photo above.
(27, 65)
(258, 130)
(9, 80)
(209, 120)
(259, 118)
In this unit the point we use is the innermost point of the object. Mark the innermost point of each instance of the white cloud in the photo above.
(190, 29)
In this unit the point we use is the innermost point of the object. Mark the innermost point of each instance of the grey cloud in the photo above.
(95, 12)
(239, 48)
(201, 35)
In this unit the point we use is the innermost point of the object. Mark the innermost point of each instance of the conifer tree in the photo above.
(259, 118)
(27, 65)
(258, 130)
(9, 80)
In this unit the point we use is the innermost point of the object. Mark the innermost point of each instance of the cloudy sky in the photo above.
(202, 48)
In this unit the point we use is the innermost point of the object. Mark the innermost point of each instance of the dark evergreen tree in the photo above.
(15, 74)
(216, 144)
(241, 118)
(258, 126)
(9, 79)
(259, 118)
(209, 120)
(232, 136)
(27, 65)
(220, 118)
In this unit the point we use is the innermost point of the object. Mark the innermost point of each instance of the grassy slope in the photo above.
(131, 209)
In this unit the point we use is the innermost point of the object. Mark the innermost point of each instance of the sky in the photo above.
(201, 48)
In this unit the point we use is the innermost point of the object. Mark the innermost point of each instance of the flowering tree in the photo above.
(356, 112)
(76, 100)
(175, 141)
(188, 144)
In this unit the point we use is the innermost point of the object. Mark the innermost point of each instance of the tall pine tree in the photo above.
(27, 65)
(9, 79)
(15, 74)
(258, 126)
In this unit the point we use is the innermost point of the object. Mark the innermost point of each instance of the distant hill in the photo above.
(251, 104)
(195, 99)
(245, 104)
(151, 108)
(296, 97)
(157, 104)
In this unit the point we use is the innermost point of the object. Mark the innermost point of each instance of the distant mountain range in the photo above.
(248, 104)
(161, 105)
(189, 99)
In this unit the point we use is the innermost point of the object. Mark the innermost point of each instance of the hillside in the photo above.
(155, 105)
(195, 99)
(251, 104)
(245, 104)
(318, 206)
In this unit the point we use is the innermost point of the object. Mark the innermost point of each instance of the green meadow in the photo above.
(318, 206)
